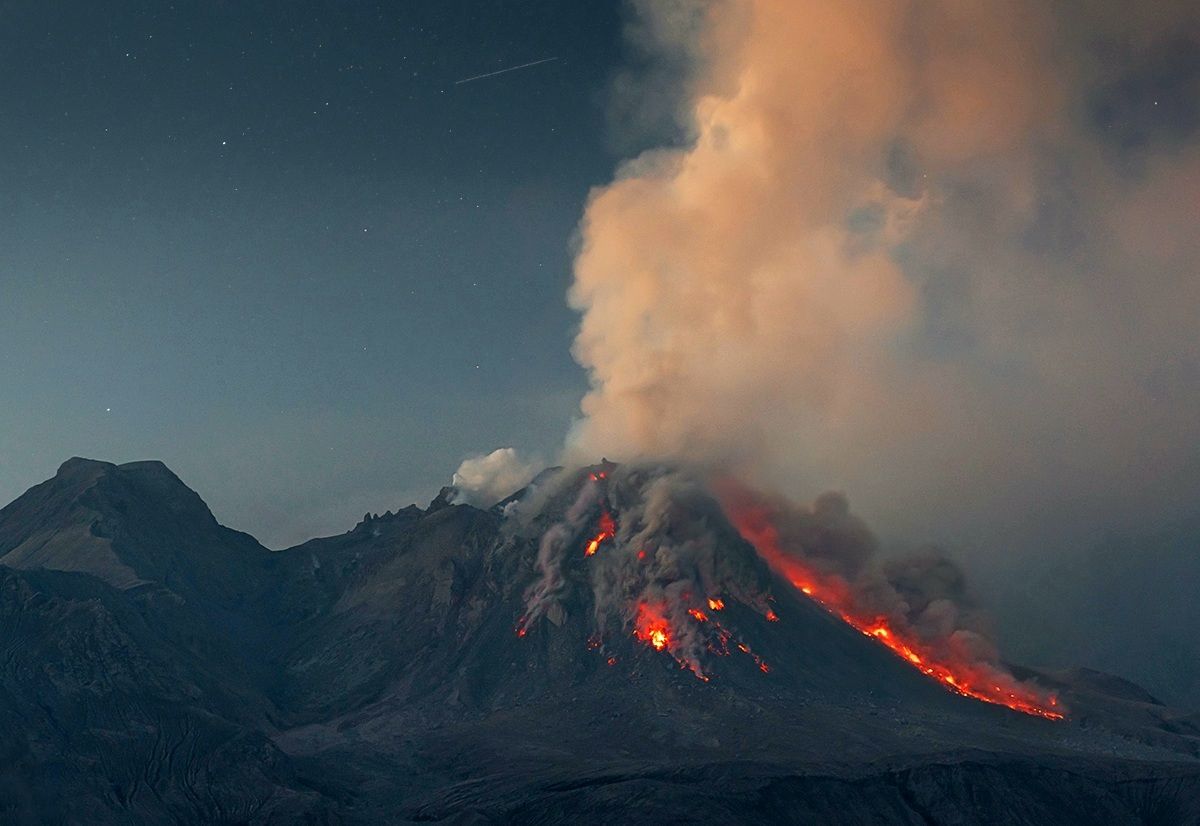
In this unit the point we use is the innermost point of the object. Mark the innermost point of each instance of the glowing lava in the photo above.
(608, 529)
(652, 628)
(977, 680)
(684, 632)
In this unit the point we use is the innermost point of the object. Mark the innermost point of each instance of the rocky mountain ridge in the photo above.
(155, 665)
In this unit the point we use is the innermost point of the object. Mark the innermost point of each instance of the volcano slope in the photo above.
(479, 665)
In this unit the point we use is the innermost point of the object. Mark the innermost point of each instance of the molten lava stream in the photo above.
(608, 529)
(652, 627)
(969, 679)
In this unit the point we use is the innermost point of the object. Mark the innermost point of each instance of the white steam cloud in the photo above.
(484, 480)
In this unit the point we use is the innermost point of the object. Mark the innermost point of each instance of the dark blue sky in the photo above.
(276, 246)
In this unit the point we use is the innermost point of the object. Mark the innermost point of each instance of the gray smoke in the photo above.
(672, 551)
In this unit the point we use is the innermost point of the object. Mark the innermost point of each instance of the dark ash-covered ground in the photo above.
(158, 667)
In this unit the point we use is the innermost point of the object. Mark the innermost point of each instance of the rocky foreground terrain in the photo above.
(158, 667)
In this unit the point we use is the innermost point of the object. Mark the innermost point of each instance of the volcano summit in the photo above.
(613, 643)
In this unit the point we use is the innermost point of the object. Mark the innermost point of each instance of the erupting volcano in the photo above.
(658, 589)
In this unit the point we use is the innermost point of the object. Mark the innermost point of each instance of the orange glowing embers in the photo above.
(653, 623)
(976, 680)
(652, 628)
(720, 637)
(966, 679)
(608, 529)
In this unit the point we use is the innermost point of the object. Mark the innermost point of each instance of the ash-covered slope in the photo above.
(131, 628)
(131, 526)
(458, 663)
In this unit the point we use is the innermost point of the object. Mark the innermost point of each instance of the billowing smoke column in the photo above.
(907, 230)
(914, 250)
(903, 252)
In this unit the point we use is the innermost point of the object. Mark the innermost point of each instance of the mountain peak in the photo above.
(126, 524)
(78, 470)
(149, 467)
(444, 499)
(78, 466)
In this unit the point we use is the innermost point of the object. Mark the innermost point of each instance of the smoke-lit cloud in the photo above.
(917, 251)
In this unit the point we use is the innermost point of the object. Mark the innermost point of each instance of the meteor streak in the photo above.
(502, 71)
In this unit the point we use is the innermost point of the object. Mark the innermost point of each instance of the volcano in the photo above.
(604, 645)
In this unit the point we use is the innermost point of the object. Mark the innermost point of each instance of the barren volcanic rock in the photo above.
(453, 663)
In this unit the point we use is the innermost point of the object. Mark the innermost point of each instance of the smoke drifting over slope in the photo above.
(915, 251)
(648, 552)
(917, 605)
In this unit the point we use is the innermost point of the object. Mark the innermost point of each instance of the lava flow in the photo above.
(652, 628)
(608, 529)
(980, 681)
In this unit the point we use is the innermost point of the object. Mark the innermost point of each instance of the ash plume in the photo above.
(901, 252)
(899, 231)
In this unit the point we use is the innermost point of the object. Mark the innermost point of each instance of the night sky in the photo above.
(278, 247)
(282, 247)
